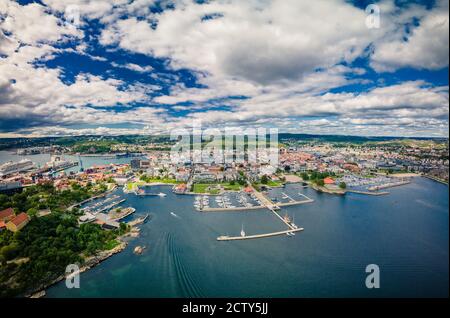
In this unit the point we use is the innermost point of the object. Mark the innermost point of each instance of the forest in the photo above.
(41, 251)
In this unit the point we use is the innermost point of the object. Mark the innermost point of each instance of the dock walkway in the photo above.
(248, 237)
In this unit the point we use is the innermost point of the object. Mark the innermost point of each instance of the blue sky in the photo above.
(146, 66)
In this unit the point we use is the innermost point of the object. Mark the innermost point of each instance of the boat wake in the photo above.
(175, 215)
(187, 284)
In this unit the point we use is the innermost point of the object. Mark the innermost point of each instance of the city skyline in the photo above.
(147, 67)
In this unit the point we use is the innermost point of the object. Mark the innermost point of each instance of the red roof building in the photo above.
(18, 222)
(7, 214)
(328, 180)
(180, 188)
(248, 190)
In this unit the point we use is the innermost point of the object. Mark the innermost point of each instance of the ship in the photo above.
(57, 163)
(11, 167)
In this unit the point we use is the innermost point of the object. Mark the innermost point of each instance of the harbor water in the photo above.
(405, 233)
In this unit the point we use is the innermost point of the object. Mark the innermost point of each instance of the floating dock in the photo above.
(249, 237)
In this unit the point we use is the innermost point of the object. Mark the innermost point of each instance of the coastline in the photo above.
(436, 179)
(89, 263)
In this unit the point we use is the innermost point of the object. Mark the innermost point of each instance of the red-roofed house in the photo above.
(180, 188)
(7, 214)
(248, 190)
(328, 180)
(18, 222)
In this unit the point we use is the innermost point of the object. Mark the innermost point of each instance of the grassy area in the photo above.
(274, 183)
(205, 188)
(269, 183)
(153, 180)
(111, 244)
(158, 180)
(132, 185)
(231, 187)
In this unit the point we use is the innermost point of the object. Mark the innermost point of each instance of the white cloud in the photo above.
(134, 67)
(283, 56)
(30, 24)
(426, 47)
(262, 42)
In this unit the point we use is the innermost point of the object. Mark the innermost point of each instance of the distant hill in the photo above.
(8, 143)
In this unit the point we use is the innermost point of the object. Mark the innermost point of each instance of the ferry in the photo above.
(57, 163)
(11, 167)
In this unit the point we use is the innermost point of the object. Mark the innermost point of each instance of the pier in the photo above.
(236, 209)
(281, 218)
(110, 206)
(266, 203)
(389, 185)
(248, 237)
(368, 192)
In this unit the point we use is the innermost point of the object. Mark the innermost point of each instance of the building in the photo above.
(9, 188)
(328, 180)
(2, 226)
(180, 188)
(7, 215)
(135, 164)
(17, 223)
(144, 164)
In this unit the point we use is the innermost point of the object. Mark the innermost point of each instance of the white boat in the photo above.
(162, 194)
(13, 167)
(242, 231)
(293, 224)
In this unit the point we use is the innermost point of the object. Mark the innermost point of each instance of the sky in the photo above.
(104, 67)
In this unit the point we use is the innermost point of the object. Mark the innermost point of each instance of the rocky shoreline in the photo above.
(88, 264)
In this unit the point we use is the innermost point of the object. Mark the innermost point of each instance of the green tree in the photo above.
(264, 179)
(342, 185)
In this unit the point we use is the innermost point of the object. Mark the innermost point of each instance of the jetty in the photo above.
(138, 221)
(368, 192)
(236, 209)
(248, 237)
(116, 216)
(388, 185)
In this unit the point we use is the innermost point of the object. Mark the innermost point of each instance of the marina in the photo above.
(105, 208)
